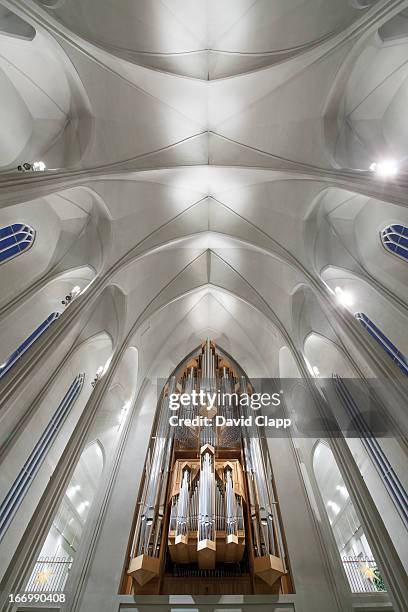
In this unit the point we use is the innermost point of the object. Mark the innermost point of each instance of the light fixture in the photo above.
(344, 297)
(39, 166)
(98, 375)
(82, 506)
(386, 168)
(335, 507)
(342, 489)
(316, 371)
(123, 412)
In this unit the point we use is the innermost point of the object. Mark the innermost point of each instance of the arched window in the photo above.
(395, 239)
(358, 562)
(24, 479)
(382, 339)
(61, 544)
(14, 357)
(387, 473)
(14, 240)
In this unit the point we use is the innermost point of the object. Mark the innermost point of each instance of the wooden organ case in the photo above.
(207, 519)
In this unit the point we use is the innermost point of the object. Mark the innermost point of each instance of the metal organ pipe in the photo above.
(182, 506)
(153, 500)
(231, 505)
(260, 489)
(206, 499)
(219, 507)
(213, 496)
(193, 508)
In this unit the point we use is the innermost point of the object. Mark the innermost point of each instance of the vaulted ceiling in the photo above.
(208, 169)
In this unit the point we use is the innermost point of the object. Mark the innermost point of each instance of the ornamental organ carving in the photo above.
(207, 507)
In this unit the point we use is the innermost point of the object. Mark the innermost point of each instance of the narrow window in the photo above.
(382, 339)
(358, 561)
(14, 357)
(54, 562)
(387, 473)
(20, 486)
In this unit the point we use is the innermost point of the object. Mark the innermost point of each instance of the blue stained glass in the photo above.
(16, 493)
(14, 239)
(395, 239)
(382, 339)
(25, 345)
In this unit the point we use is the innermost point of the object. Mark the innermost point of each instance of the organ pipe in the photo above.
(182, 505)
(231, 505)
(207, 485)
(206, 499)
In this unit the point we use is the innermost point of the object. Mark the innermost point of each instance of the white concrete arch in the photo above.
(370, 126)
(236, 258)
(208, 39)
(13, 25)
(46, 112)
(27, 316)
(307, 316)
(72, 229)
(208, 310)
(108, 313)
(118, 402)
(347, 233)
(326, 357)
(64, 537)
(85, 358)
(358, 295)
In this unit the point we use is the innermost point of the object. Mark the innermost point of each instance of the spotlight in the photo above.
(342, 489)
(344, 297)
(38, 166)
(386, 168)
(123, 412)
(335, 507)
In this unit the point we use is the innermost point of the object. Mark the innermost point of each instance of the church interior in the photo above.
(201, 196)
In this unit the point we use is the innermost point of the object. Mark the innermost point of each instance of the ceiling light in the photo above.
(73, 490)
(386, 168)
(39, 166)
(335, 507)
(344, 297)
(342, 489)
(123, 412)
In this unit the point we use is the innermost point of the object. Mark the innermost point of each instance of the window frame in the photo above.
(21, 252)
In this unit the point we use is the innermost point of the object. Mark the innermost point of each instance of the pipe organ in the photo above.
(207, 507)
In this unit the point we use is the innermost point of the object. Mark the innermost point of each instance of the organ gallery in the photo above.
(207, 508)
